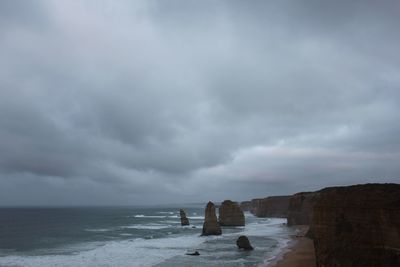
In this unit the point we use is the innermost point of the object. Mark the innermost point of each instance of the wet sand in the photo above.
(300, 252)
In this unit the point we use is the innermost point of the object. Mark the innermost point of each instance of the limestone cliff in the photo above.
(357, 226)
(300, 210)
(230, 214)
(211, 225)
(275, 206)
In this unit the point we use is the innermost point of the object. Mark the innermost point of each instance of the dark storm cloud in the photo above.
(150, 101)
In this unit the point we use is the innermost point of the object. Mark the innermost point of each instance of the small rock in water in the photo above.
(196, 253)
(243, 243)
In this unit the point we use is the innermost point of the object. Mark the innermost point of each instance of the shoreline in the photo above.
(299, 252)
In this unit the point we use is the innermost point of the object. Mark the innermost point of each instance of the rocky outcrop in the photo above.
(275, 206)
(211, 225)
(184, 219)
(230, 214)
(243, 243)
(300, 210)
(357, 226)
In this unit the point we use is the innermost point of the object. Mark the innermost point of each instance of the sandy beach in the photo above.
(300, 252)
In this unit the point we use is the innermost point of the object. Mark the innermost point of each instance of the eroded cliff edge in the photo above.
(357, 226)
(352, 226)
(300, 209)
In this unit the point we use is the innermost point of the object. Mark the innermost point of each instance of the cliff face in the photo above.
(211, 225)
(358, 226)
(275, 206)
(300, 210)
(230, 214)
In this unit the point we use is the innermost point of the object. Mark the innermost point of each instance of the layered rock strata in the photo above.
(230, 214)
(300, 210)
(211, 225)
(275, 206)
(357, 226)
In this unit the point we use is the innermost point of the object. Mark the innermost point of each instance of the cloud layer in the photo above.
(153, 101)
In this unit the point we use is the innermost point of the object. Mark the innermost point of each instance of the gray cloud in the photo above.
(155, 101)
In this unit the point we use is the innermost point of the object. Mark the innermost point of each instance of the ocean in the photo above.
(130, 236)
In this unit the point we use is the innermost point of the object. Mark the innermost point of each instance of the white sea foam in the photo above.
(196, 217)
(137, 252)
(265, 227)
(99, 230)
(281, 247)
(125, 234)
(172, 221)
(151, 216)
(148, 252)
(170, 215)
(273, 228)
(147, 226)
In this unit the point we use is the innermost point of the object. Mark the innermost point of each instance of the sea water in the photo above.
(130, 236)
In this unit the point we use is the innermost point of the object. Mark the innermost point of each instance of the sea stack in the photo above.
(358, 226)
(211, 225)
(230, 214)
(184, 219)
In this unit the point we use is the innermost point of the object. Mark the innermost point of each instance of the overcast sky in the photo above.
(146, 102)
